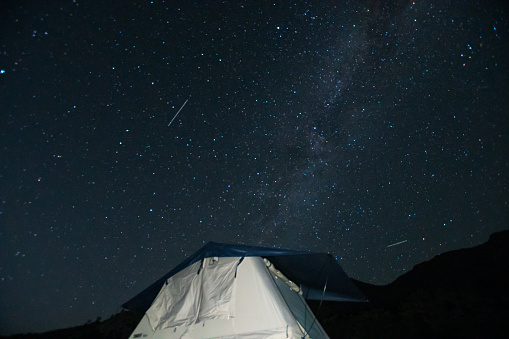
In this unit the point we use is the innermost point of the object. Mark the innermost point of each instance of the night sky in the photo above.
(342, 128)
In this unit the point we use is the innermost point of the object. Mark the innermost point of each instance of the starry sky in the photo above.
(375, 131)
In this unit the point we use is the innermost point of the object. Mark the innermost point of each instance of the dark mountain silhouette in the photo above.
(462, 293)
(118, 326)
(457, 294)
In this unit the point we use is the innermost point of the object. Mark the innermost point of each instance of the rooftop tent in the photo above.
(237, 291)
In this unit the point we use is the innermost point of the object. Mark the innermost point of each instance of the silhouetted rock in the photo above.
(118, 326)
(478, 270)
(462, 293)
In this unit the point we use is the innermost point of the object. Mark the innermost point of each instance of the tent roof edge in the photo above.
(295, 264)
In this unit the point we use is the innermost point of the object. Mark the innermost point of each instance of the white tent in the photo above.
(227, 291)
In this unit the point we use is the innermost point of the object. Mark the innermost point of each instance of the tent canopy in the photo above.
(319, 274)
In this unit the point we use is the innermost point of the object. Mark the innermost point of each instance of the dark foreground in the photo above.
(458, 294)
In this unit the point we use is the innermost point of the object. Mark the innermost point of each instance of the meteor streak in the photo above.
(397, 243)
(178, 112)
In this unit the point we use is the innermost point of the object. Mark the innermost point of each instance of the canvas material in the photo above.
(256, 308)
(193, 297)
(309, 270)
(298, 306)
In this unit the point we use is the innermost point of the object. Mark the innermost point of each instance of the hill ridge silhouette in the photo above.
(460, 293)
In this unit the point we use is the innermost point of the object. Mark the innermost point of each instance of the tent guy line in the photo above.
(397, 243)
(178, 112)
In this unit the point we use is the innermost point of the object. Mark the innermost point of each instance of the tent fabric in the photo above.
(296, 303)
(261, 305)
(195, 297)
(311, 270)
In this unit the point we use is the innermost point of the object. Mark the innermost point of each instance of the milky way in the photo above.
(135, 133)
